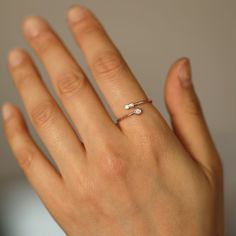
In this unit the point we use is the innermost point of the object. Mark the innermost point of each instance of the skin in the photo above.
(140, 177)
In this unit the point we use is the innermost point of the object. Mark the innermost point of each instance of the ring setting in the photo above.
(128, 106)
(137, 111)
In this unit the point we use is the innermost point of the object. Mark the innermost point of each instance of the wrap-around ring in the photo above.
(136, 111)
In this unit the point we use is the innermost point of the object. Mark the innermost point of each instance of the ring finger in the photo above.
(46, 117)
(77, 95)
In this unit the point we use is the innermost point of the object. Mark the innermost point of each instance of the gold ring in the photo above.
(136, 111)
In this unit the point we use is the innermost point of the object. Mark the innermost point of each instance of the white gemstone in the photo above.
(138, 111)
(131, 105)
(126, 107)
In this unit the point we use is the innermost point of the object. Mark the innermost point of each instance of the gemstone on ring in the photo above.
(138, 111)
(128, 106)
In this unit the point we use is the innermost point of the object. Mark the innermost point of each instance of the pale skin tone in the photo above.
(141, 177)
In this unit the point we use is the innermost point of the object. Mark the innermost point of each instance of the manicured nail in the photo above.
(185, 72)
(7, 111)
(34, 25)
(76, 13)
(16, 57)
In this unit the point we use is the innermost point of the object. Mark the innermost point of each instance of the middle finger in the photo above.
(77, 95)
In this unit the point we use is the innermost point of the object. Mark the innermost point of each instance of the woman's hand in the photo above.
(136, 178)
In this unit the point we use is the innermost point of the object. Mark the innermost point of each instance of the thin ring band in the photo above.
(137, 111)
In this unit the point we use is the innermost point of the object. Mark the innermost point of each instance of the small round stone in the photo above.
(138, 111)
(126, 107)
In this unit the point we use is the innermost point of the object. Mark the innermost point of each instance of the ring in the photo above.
(136, 111)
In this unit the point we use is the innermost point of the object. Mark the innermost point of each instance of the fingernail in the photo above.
(16, 57)
(185, 73)
(34, 25)
(7, 111)
(76, 13)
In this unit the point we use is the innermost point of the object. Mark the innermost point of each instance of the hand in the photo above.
(137, 178)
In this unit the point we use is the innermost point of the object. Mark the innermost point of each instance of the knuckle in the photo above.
(88, 188)
(43, 42)
(87, 193)
(22, 79)
(108, 65)
(88, 28)
(71, 83)
(13, 130)
(44, 113)
(112, 163)
(25, 158)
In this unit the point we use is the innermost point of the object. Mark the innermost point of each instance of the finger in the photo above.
(40, 173)
(68, 79)
(46, 117)
(109, 69)
(187, 116)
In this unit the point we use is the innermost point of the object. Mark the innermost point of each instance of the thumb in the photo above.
(187, 116)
